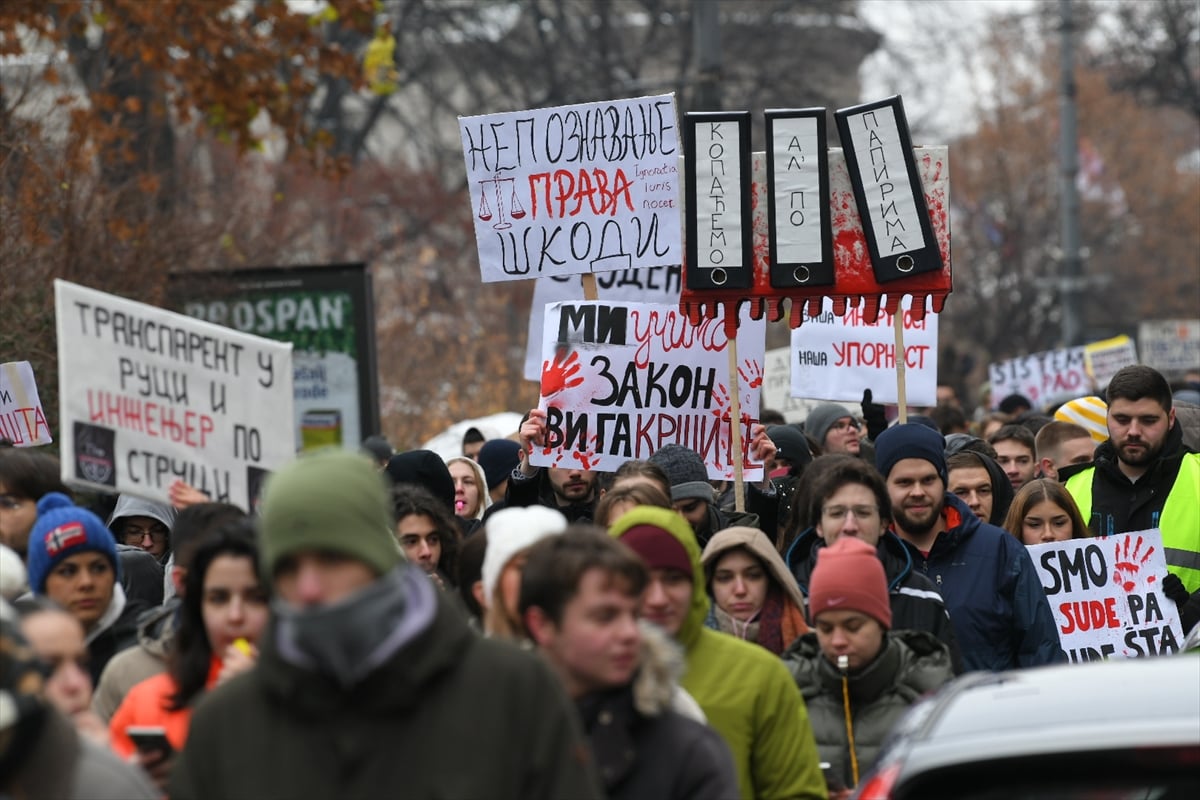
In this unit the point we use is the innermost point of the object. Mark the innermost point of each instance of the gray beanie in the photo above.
(686, 470)
(821, 419)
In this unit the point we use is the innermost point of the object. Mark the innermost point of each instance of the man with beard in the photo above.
(997, 606)
(1144, 476)
(570, 490)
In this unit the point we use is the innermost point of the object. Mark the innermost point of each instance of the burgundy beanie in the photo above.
(658, 548)
(849, 575)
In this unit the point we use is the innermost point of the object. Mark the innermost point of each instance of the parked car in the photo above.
(1108, 730)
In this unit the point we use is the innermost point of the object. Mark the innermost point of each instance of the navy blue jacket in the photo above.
(997, 606)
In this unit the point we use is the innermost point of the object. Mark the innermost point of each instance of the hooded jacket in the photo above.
(1002, 491)
(916, 604)
(130, 506)
(746, 693)
(155, 633)
(485, 499)
(791, 623)
(283, 731)
(997, 606)
(911, 664)
(642, 747)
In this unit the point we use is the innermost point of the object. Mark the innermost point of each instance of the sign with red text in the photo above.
(649, 285)
(1106, 596)
(592, 187)
(148, 397)
(620, 380)
(836, 358)
(1054, 376)
(22, 420)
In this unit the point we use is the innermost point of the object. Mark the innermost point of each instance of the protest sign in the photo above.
(148, 396)
(1105, 359)
(836, 358)
(591, 187)
(620, 380)
(649, 285)
(1106, 596)
(1170, 345)
(1054, 376)
(22, 420)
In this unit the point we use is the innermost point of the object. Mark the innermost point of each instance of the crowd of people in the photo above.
(480, 627)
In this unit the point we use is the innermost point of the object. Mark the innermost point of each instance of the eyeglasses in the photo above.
(844, 424)
(134, 534)
(837, 513)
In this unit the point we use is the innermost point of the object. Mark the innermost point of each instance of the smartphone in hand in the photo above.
(150, 740)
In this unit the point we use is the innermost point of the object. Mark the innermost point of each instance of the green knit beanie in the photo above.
(333, 500)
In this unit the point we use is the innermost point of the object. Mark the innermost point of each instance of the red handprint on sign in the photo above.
(1129, 562)
(563, 373)
(721, 397)
(752, 374)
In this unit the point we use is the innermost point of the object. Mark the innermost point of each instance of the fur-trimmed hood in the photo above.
(656, 685)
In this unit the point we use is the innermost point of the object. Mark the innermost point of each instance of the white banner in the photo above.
(1170, 345)
(1054, 376)
(836, 358)
(22, 420)
(620, 380)
(591, 187)
(650, 285)
(1105, 359)
(148, 396)
(1106, 595)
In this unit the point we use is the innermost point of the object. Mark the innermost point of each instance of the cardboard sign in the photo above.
(1170, 345)
(836, 358)
(620, 380)
(583, 188)
(22, 420)
(650, 285)
(1054, 376)
(1105, 359)
(148, 396)
(1106, 595)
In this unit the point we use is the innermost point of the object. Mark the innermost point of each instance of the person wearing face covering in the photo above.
(366, 670)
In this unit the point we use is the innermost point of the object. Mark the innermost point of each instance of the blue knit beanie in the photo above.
(911, 440)
(63, 529)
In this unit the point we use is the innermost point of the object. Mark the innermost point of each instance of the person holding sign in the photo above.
(1043, 511)
(857, 673)
(570, 490)
(1144, 476)
(1000, 614)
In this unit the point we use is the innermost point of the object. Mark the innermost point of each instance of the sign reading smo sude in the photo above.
(1106, 596)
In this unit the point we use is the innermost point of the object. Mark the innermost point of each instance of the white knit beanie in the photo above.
(511, 530)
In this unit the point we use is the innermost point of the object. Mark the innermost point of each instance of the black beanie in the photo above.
(911, 440)
(424, 468)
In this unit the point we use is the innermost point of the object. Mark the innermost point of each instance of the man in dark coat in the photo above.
(579, 602)
(999, 611)
(367, 674)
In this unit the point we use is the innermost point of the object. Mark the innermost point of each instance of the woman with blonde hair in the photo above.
(619, 499)
(1044, 511)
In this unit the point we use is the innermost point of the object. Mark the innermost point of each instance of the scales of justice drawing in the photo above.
(500, 186)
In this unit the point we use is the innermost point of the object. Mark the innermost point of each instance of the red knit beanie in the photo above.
(658, 548)
(849, 575)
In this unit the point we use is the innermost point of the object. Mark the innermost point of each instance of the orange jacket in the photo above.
(149, 704)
